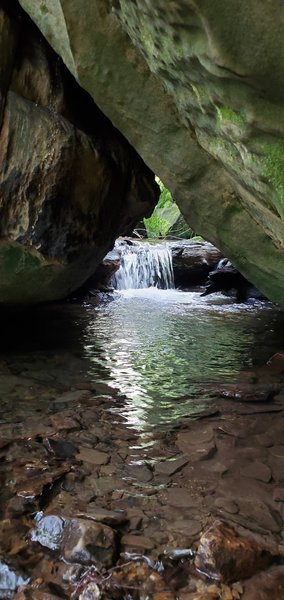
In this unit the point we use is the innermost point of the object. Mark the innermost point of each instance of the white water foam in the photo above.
(144, 266)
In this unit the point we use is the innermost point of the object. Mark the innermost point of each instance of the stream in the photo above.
(105, 410)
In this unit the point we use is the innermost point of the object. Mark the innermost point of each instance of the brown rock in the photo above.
(101, 515)
(169, 467)
(139, 473)
(257, 470)
(256, 515)
(227, 505)
(268, 585)
(277, 451)
(245, 393)
(180, 498)
(85, 542)
(189, 527)
(137, 541)
(223, 554)
(278, 494)
(199, 435)
(92, 456)
(62, 421)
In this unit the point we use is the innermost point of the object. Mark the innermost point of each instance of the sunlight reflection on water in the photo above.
(158, 346)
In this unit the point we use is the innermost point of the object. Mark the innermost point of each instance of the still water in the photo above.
(165, 350)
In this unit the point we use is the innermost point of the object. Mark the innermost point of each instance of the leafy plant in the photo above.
(166, 217)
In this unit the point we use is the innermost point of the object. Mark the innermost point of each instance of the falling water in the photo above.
(144, 266)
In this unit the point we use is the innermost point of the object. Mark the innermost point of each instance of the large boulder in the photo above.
(69, 182)
(197, 89)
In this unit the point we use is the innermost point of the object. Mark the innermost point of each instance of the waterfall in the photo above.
(144, 266)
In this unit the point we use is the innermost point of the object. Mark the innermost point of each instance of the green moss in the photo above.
(273, 168)
(201, 96)
(44, 9)
(225, 113)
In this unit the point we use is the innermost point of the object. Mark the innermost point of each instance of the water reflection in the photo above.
(161, 345)
(156, 346)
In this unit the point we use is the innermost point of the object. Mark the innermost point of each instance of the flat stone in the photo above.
(61, 421)
(139, 473)
(278, 494)
(137, 541)
(103, 485)
(169, 467)
(204, 453)
(255, 511)
(197, 436)
(188, 527)
(181, 498)
(102, 515)
(257, 470)
(227, 505)
(95, 457)
(277, 451)
(73, 396)
(263, 439)
(218, 468)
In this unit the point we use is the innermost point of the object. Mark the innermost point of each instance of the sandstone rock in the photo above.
(63, 167)
(224, 555)
(201, 95)
(192, 262)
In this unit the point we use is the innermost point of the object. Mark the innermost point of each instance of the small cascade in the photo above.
(144, 266)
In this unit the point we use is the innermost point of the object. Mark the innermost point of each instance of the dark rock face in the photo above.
(69, 182)
(226, 278)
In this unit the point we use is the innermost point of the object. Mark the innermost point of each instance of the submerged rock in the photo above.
(226, 556)
(87, 542)
(10, 581)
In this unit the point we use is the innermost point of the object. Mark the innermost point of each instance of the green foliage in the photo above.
(166, 217)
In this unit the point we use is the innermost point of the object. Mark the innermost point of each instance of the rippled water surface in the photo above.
(162, 348)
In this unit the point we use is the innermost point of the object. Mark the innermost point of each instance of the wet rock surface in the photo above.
(93, 509)
(70, 183)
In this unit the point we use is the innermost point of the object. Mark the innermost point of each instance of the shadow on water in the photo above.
(41, 329)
